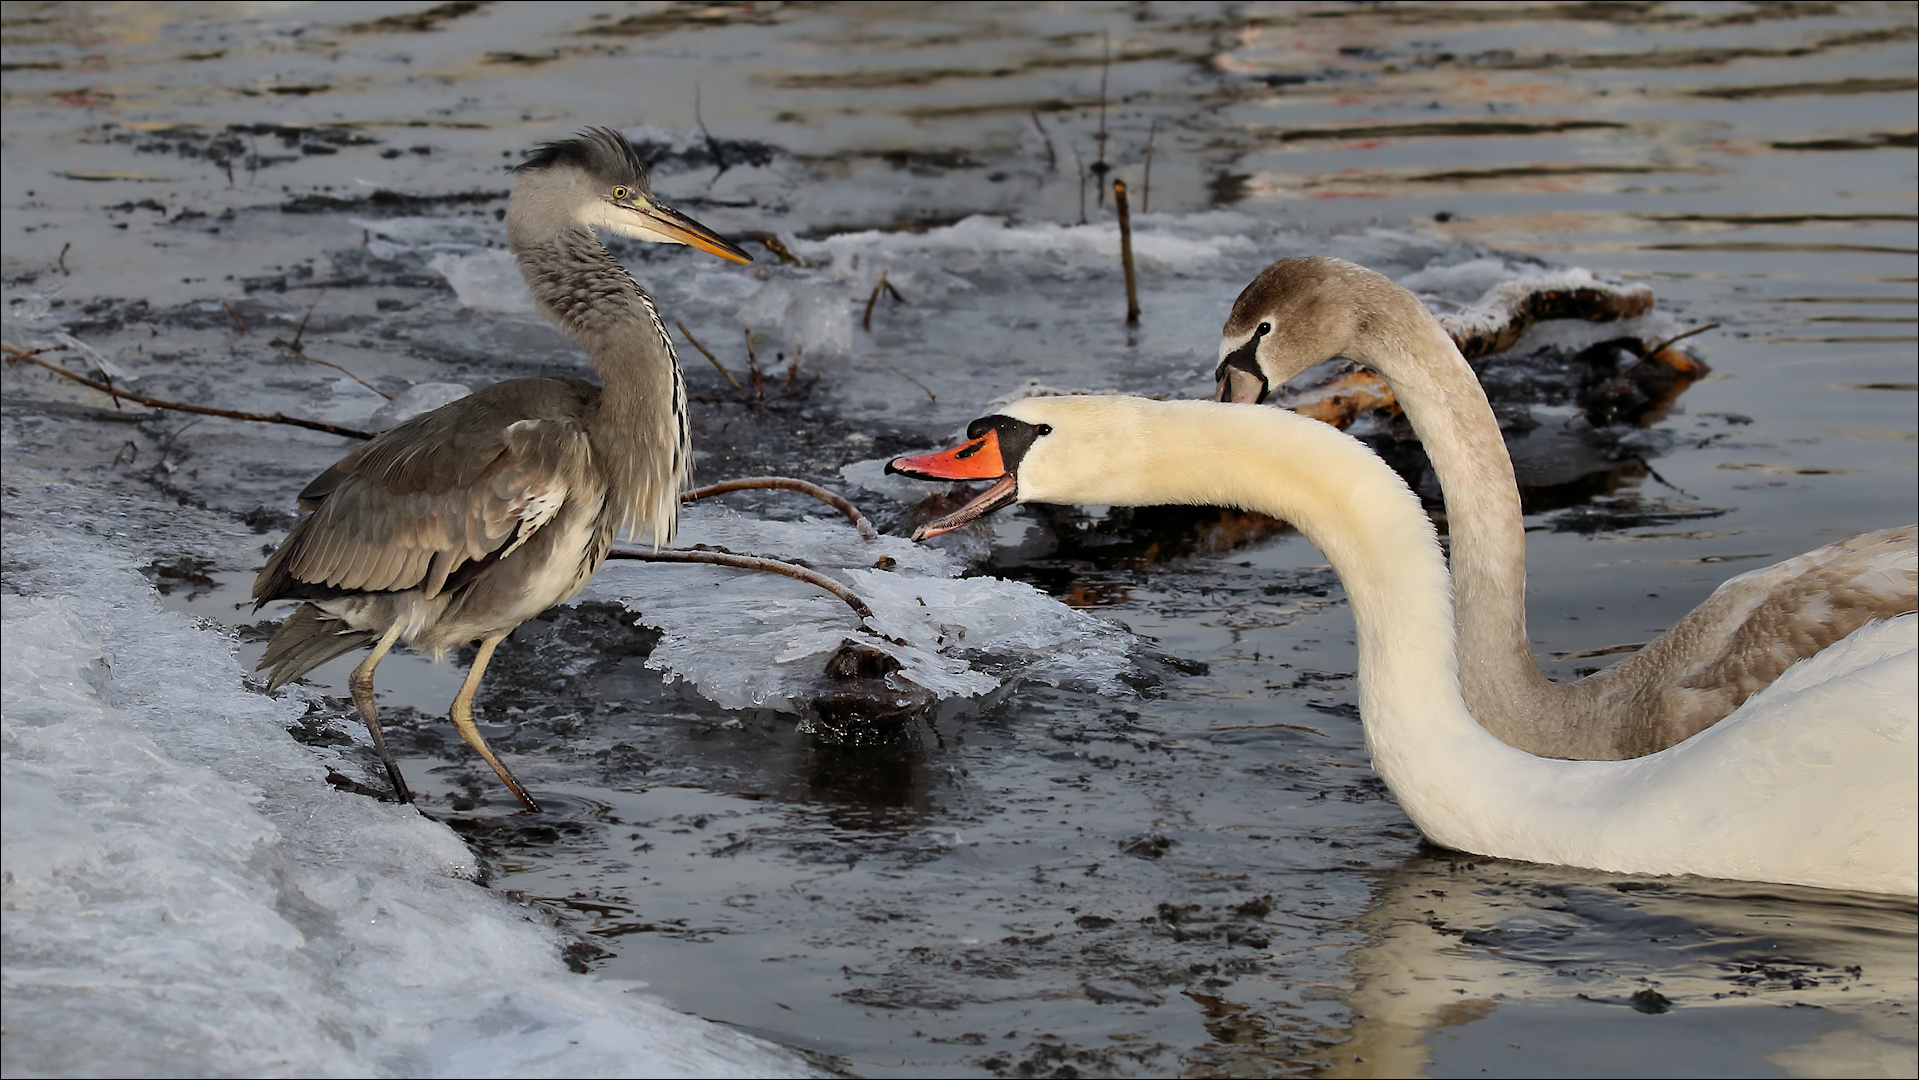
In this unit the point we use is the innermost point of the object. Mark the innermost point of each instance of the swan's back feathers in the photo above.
(1749, 632)
(1810, 781)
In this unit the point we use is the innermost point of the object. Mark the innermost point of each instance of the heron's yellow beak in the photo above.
(660, 222)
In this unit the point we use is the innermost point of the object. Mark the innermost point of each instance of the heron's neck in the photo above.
(1447, 407)
(641, 436)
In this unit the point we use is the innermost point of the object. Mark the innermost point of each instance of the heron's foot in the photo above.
(363, 700)
(462, 716)
(514, 786)
(471, 734)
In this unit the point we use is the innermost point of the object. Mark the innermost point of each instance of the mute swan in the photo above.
(1299, 312)
(1813, 780)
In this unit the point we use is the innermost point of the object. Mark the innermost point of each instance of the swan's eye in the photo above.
(1046, 429)
(619, 192)
(1264, 329)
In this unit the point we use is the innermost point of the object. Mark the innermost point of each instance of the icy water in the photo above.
(1151, 847)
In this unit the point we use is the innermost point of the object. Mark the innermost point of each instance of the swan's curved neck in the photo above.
(1446, 405)
(1358, 512)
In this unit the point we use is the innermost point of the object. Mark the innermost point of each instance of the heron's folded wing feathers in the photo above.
(413, 516)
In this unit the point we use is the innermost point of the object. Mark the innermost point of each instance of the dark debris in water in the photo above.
(387, 203)
(1615, 514)
(241, 145)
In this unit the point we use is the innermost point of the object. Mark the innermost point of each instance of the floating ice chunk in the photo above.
(960, 629)
(981, 241)
(186, 895)
(485, 280)
(413, 233)
(414, 400)
(821, 544)
(817, 319)
(1466, 281)
(871, 476)
(751, 640)
(96, 361)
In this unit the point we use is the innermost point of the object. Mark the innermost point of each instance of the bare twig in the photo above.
(15, 355)
(892, 292)
(1146, 188)
(1126, 251)
(753, 367)
(301, 332)
(712, 144)
(1052, 159)
(792, 369)
(63, 256)
(708, 353)
(929, 394)
(775, 245)
(123, 455)
(1671, 341)
(788, 483)
(167, 447)
(342, 370)
(1081, 164)
(866, 321)
(751, 562)
(235, 316)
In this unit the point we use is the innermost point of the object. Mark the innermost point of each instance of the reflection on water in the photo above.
(1455, 942)
(1205, 877)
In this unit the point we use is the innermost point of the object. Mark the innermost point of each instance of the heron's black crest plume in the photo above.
(600, 152)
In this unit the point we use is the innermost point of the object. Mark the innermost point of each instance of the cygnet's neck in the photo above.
(1485, 526)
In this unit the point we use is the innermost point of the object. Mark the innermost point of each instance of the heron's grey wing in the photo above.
(466, 483)
(1755, 626)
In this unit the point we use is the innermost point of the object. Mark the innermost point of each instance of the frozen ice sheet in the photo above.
(186, 895)
(751, 640)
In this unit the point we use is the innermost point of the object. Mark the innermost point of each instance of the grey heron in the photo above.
(460, 524)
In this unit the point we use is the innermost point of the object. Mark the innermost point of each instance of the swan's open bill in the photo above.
(1299, 312)
(1813, 780)
(462, 523)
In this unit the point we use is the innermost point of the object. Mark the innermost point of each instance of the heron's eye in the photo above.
(619, 192)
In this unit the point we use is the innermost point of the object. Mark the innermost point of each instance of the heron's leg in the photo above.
(462, 713)
(361, 684)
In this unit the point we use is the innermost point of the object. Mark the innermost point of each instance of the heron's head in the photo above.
(596, 180)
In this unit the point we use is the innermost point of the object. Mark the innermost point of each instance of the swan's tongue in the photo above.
(976, 459)
(996, 496)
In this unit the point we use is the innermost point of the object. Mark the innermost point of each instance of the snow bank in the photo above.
(185, 894)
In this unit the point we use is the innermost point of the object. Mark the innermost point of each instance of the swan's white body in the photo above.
(1742, 638)
(1813, 780)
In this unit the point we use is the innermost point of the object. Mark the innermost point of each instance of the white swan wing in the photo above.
(1814, 780)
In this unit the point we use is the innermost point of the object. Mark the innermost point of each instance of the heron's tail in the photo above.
(306, 640)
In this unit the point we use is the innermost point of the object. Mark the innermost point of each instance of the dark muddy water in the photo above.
(1199, 876)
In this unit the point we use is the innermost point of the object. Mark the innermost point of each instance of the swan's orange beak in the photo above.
(976, 459)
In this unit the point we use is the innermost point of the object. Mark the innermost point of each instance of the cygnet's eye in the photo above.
(619, 192)
(1264, 329)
